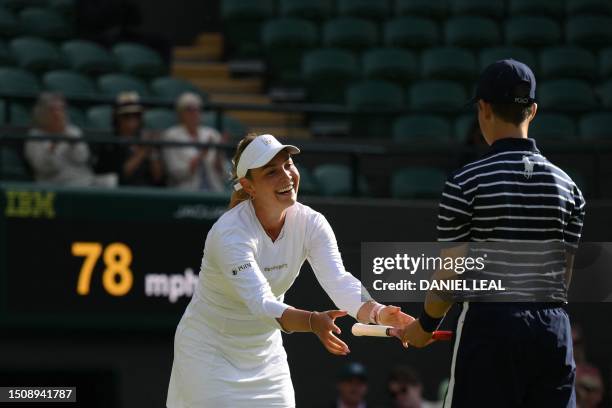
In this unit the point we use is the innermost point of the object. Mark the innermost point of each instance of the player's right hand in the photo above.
(324, 326)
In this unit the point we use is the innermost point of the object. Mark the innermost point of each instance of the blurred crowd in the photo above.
(187, 167)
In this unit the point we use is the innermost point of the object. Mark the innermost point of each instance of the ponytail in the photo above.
(240, 195)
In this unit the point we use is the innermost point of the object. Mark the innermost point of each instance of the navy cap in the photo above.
(353, 370)
(506, 81)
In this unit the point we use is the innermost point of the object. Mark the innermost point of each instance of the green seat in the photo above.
(327, 73)
(351, 33)
(139, 60)
(77, 117)
(316, 10)
(6, 57)
(20, 116)
(18, 80)
(66, 8)
(606, 95)
(17, 5)
(336, 180)
(100, 117)
(308, 183)
(490, 55)
(465, 128)
(368, 9)
(448, 63)
(285, 40)
(569, 62)
(472, 32)
(417, 182)
(605, 63)
(171, 88)
(532, 31)
(411, 32)
(36, 54)
(232, 126)
(392, 64)
(550, 8)
(88, 57)
(589, 31)
(596, 126)
(589, 7)
(112, 84)
(242, 21)
(9, 24)
(487, 8)
(368, 99)
(422, 129)
(159, 118)
(552, 128)
(45, 23)
(567, 95)
(437, 96)
(69, 83)
(13, 165)
(425, 8)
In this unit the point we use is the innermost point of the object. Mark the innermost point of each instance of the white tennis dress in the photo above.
(228, 348)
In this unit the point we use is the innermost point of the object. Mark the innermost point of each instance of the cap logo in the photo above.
(266, 140)
(521, 100)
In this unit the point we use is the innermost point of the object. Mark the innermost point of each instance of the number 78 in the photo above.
(117, 259)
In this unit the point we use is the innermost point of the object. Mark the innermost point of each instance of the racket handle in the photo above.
(442, 335)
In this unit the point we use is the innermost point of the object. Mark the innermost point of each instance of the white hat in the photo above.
(188, 100)
(259, 152)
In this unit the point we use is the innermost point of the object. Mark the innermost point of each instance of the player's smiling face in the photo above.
(276, 184)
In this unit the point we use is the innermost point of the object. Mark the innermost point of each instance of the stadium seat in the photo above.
(417, 182)
(9, 25)
(285, 40)
(552, 128)
(606, 95)
(308, 183)
(13, 167)
(392, 64)
(605, 63)
(371, 97)
(18, 80)
(17, 5)
(45, 23)
(487, 8)
(242, 21)
(66, 8)
(327, 73)
(426, 8)
(448, 63)
(171, 88)
(472, 32)
(159, 118)
(19, 114)
(411, 32)
(549, 8)
(350, 33)
(596, 126)
(88, 57)
(316, 10)
(100, 117)
(437, 96)
(490, 55)
(336, 180)
(569, 62)
(6, 57)
(465, 126)
(427, 129)
(139, 60)
(36, 54)
(371, 10)
(69, 83)
(565, 95)
(77, 117)
(112, 84)
(589, 7)
(589, 31)
(531, 31)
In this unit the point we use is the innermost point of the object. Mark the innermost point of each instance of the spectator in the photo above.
(193, 168)
(352, 387)
(589, 386)
(406, 389)
(60, 162)
(137, 165)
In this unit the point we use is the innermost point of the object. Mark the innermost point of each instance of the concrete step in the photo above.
(240, 98)
(197, 70)
(283, 132)
(212, 39)
(197, 53)
(227, 85)
(254, 119)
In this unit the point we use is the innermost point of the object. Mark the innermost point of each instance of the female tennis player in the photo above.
(228, 348)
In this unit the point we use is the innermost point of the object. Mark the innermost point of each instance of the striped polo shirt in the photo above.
(525, 211)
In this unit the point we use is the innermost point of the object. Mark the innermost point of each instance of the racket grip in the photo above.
(442, 335)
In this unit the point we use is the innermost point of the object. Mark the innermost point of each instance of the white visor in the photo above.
(258, 153)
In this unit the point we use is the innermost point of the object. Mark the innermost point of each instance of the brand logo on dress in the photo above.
(275, 267)
(240, 268)
(528, 167)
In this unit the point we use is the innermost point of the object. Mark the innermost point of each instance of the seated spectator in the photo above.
(137, 165)
(406, 389)
(60, 162)
(352, 387)
(589, 386)
(193, 168)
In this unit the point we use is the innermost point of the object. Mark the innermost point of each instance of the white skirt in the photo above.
(214, 372)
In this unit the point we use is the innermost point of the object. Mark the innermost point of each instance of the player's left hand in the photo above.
(413, 335)
(393, 316)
